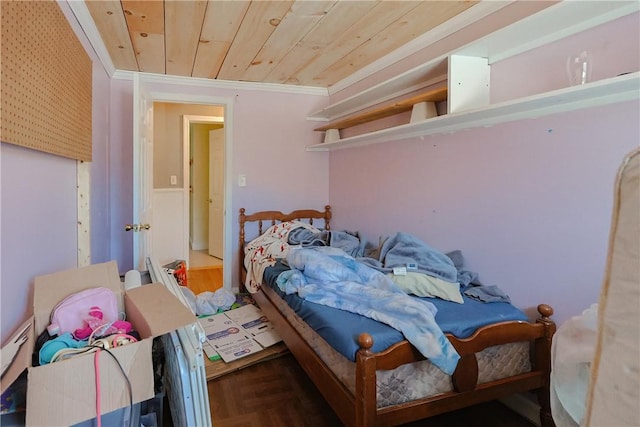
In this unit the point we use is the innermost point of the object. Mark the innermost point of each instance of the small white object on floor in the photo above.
(132, 279)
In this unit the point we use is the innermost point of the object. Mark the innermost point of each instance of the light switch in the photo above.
(242, 180)
(174, 180)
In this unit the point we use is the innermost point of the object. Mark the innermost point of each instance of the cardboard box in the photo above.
(64, 393)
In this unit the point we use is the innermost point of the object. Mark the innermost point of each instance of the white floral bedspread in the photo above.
(263, 251)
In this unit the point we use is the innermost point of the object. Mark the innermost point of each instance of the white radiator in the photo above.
(186, 380)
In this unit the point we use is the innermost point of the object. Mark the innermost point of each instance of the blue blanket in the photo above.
(329, 276)
(402, 249)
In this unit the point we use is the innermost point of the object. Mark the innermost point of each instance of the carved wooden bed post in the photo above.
(542, 361)
(327, 217)
(366, 400)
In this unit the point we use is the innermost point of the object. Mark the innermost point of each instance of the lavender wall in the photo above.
(529, 203)
(614, 49)
(38, 225)
(38, 202)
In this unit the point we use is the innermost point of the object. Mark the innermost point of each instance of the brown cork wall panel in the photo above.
(45, 81)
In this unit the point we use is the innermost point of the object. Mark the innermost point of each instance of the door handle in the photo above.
(136, 227)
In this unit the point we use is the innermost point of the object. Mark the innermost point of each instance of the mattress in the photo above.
(341, 328)
(407, 382)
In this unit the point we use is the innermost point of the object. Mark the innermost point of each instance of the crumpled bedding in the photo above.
(403, 248)
(347, 241)
(470, 284)
(400, 250)
(328, 276)
(340, 328)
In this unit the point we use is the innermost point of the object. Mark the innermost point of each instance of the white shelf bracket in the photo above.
(331, 135)
(422, 111)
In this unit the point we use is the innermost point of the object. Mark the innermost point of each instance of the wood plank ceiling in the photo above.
(300, 42)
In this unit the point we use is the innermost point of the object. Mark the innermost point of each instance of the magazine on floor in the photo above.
(237, 333)
(252, 320)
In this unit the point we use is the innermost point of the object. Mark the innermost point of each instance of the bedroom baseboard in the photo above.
(523, 406)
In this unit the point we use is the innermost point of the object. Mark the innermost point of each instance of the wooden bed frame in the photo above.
(361, 409)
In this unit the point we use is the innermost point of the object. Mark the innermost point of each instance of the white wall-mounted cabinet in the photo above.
(468, 83)
(467, 73)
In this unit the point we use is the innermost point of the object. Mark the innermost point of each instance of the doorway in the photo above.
(169, 173)
(205, 163)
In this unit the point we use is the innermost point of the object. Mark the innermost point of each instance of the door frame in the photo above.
(187, 120)
(227, 104)
(142, 173)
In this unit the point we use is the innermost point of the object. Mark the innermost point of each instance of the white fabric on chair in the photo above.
(614, 390)
(571, 356)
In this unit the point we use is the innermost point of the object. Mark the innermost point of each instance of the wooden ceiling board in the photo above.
(144, 16)
(258, 24)
(150, 52)
(378, 18)
(299, 42)
(301, 19)
(425, 17)
(337, 20)
(145, 20)
(183, 24)
(221, 22)
(109, 19)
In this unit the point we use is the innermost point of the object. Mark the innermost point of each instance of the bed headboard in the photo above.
(271, 218)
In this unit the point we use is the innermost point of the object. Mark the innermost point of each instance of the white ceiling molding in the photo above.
(221, 84)
(85, 20)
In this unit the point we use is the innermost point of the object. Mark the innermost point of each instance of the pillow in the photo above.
(423, 285)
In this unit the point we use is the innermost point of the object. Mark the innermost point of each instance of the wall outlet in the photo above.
(174, 180)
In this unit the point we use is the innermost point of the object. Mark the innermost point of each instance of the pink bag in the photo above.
(70, 313)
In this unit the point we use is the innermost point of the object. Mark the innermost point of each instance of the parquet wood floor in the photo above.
(278, 393)
(270, 394)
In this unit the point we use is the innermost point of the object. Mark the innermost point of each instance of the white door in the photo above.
(142, 173)
(216, 193)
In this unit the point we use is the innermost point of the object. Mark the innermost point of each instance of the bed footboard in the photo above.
(466, 391)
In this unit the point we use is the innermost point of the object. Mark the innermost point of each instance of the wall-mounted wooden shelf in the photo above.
(603, 92)
(467, 71)
(436, 95)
